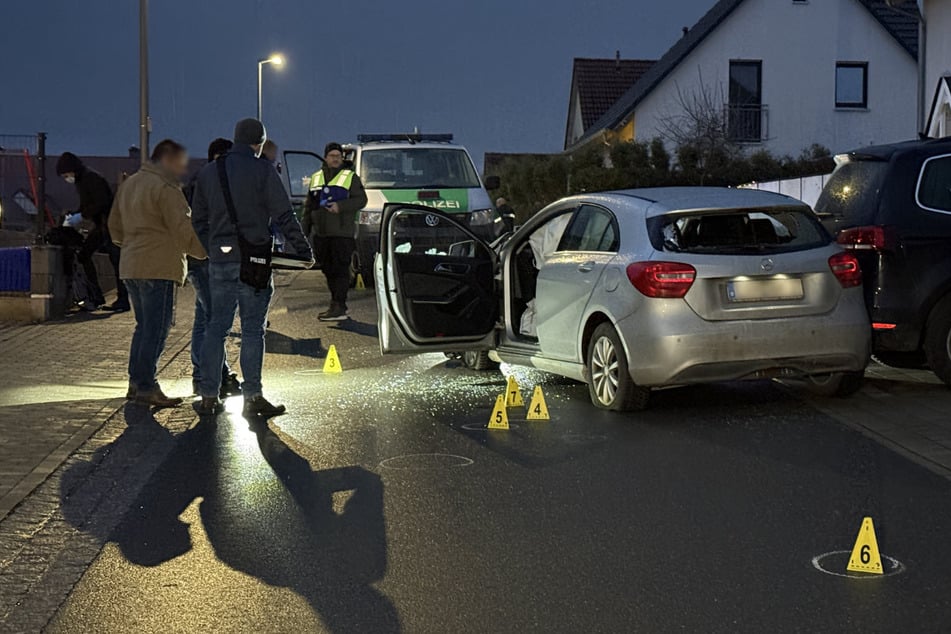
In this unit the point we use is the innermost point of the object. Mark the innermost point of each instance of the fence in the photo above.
(23, 181)
(806, 189)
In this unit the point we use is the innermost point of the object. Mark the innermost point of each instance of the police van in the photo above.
(425, 169)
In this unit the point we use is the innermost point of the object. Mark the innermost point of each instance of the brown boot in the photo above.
(157, 398)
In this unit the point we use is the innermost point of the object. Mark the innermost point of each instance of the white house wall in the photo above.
(938, 57)
(799, 45)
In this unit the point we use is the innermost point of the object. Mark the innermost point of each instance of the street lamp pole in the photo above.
(277, 60)
(143, 80)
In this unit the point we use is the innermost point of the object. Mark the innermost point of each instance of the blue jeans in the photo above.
(198, 276)
(228, 293)
(154, 303)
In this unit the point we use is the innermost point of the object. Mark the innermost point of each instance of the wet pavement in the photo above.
(380, 504)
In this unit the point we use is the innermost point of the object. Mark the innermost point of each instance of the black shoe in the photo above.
(119, 306)
(336, 313)
(259, 407)
(230, 385)
(209, 406)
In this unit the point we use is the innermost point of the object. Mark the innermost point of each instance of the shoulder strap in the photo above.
(226, 190)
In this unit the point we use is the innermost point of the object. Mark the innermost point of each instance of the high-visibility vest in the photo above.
(336, 190)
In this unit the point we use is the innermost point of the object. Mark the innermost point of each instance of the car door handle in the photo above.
(454, 269)
(587, 267)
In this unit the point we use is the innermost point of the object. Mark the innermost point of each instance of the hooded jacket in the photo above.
(150, 221)
(259, 199)
(95, 195)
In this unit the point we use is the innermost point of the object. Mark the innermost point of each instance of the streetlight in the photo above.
(278, 60)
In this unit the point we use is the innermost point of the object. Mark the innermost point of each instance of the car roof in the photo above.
(887, 151)
(667, 199)
(405, 145)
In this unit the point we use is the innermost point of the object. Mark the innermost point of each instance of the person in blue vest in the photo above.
(335, 199)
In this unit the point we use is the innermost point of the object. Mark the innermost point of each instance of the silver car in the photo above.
(632, 290)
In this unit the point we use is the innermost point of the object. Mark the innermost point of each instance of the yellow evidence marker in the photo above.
(513, 394)
(499, 418)
(537, 408)
(332, 362)
(865, 556)
(360, 284)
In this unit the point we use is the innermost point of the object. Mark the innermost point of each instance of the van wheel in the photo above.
(609, 381)
(479, 360)
(841, 384)
(938, 340)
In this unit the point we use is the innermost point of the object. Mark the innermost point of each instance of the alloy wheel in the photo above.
(605, 370)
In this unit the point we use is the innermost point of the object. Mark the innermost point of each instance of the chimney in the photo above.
(686, 30)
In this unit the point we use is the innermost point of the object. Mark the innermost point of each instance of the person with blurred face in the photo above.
(333, 205)
(95, 201)
(151, 222)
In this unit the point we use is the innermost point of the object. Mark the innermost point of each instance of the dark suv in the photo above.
(891, 205)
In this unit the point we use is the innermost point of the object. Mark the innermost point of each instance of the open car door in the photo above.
(299, 166)
(435, 284)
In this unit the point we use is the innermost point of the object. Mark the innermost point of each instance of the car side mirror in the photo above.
(492, 182)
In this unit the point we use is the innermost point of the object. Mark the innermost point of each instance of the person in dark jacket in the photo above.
(259, 200)
(508, 214)
(333, 204)
(95, 201)
(198, 277)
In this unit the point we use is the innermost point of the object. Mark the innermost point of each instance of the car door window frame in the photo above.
(921, 178)
(613, 224)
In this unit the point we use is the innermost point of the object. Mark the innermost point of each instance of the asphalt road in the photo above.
(379, 504)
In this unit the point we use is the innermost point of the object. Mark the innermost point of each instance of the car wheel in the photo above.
(479, 360)
(938, 340)
(841, 384)
(609, 382)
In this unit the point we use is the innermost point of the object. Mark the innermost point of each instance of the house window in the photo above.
(934, 184)
(745, 109)
(851, 85)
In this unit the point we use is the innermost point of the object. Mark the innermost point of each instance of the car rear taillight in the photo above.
(662, 279)
(871, 238)
(846, 268)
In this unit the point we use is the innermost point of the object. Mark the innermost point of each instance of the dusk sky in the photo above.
(495, 73)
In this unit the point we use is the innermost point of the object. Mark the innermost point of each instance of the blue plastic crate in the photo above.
(15, 270)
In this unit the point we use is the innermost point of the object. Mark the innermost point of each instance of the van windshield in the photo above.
(738, 232)
(417, 168)
(850, 197)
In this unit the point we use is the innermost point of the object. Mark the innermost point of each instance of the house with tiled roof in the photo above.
(783, 75)
(936, 70)
(596, 85)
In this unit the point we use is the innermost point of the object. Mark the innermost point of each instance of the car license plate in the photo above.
(764, 290)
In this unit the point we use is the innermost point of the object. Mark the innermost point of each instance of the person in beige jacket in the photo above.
(151, 223)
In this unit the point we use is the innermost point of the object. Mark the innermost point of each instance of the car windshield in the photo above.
(850, 197)
(417, 168)
(738, 232)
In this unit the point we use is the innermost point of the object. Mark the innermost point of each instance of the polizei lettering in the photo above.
(440, 204)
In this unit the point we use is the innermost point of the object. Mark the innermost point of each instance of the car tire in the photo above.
(938, 340)
(840, 384)
(479, 360)
(609, 380)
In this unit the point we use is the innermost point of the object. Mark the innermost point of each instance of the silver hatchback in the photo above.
(632, 290)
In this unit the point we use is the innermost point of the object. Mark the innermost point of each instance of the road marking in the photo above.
(419, 461)
(893, 567)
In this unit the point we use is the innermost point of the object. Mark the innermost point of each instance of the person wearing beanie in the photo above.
(198, 277)
(333, 205)
(259, 200)
(95, 201)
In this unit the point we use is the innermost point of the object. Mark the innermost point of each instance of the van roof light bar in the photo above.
(414, 137)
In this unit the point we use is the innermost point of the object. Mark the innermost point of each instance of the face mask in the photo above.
(70, 179)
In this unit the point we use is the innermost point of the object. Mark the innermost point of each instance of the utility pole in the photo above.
(144, 122)
(40, 186)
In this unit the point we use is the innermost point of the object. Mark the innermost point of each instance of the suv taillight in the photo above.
(872, 238)
(662, 279)
(846, 268)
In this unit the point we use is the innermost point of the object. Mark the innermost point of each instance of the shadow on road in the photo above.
(275, 519)
(358, 328)
(279, 343)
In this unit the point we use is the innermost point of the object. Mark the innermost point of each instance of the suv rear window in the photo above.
(934, 187)
(738, 232)
(850, 197)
